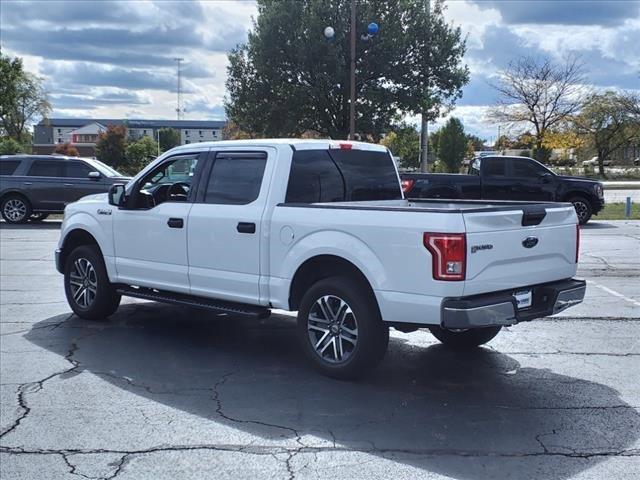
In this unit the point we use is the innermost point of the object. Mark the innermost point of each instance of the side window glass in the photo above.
(314, 177)
(235, 180)
(494, 167)
(7, 167)
(77, 170)
(45, 168)
(524, 168)
(169, 182)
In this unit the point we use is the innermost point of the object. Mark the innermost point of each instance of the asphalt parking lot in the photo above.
(166, 392)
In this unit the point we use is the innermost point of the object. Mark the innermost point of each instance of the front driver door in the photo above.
(531, 181)
(150, 234)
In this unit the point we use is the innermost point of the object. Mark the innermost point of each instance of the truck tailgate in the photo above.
(516, 248)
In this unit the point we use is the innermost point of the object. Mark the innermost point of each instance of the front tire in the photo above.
(15, 209)
(86, 284)
(464, 339)
(340, 328)
(583, 209)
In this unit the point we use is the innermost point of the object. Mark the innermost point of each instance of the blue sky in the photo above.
(115, 59)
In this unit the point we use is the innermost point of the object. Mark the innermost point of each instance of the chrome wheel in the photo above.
(332, 329)
(15, 210)
(84, 282)
(582, 210)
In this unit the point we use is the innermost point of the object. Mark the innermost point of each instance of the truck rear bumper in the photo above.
(501, 308)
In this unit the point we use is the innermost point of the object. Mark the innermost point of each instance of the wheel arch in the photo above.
(74, 239)
(15, 192)
(577, 193)
(319, 267)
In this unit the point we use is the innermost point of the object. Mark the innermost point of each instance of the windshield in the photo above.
(103, 168)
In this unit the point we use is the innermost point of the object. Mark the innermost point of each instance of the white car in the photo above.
(593, 162)
(321, 228)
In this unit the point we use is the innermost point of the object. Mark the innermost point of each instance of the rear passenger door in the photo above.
(45, 184)
(496, 185)
(225, 224)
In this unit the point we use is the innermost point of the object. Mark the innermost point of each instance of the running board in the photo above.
(220, 306)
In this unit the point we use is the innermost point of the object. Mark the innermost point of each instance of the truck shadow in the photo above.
(46, 225)
(464, 415)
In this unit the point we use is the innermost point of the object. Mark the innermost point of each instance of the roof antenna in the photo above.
(179, 109)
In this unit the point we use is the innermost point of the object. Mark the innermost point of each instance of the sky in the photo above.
(110, 59)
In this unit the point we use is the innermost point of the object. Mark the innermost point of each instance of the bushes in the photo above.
(9, 146)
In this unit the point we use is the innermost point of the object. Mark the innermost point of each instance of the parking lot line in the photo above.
(614, 293)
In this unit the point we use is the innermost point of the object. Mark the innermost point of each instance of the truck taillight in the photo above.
(577, 241)
(407, 185)
(449, 254)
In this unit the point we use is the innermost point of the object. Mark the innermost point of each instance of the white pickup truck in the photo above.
(321, 228)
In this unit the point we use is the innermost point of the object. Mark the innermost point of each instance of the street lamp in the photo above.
(372, 30)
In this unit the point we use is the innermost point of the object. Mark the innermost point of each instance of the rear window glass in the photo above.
(235, 181)
(45, 168)
(494, 167)
(314, 178)
(342, 175)
(7, 167)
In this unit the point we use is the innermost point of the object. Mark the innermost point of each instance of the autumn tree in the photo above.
(66, 149)
(22, 98)
(539, 93)
(111, 146)
(608, 124)
(288, 78)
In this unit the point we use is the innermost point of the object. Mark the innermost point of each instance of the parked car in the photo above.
(33, 186)
(636, 162)
(321, 228)
(509, 178)
(593, 162)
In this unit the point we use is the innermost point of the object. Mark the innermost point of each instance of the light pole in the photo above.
(329, 33)
(424, 128)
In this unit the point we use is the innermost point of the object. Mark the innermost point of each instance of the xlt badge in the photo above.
(486, 246)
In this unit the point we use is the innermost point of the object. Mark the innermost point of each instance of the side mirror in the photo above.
(94, 175)
(116, 195)
(545, 177)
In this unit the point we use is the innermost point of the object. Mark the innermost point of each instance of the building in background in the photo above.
(83, 133)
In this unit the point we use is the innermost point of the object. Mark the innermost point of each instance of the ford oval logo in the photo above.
(529, 242)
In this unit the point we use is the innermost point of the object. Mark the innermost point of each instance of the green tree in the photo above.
(111, 146)
(9, 146)
(169, 138)
(288, 79)
(607, 124)
(22, 98)
(404, 141)
(139, 154)
(452, 145)
(476, 142)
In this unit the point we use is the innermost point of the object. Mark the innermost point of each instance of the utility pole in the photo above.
(179, 109)
(352, 102)
(424, 128)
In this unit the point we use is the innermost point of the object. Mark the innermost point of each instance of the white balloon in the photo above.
(329, 32)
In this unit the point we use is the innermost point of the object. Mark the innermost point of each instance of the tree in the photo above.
(404, 141)
(288, 78)
(9, 146)
(231, 131)
(169, 138)
(22, 98)
(140, 153)
(66, 149)
(476, 142)
(541, 93)
(452, 145)
(111, 146)
(607, 123)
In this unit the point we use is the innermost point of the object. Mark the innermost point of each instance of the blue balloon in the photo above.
(372, 28)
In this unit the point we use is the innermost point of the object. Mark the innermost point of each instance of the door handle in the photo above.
(68, 184)
(246, 227)
(175, 223)
(28, 183)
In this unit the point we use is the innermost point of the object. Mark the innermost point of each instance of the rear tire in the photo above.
(90, 294)
(340, 328)
(464, 339)
(15, 209)
(583, 209)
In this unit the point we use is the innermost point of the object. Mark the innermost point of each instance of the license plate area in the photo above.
(523, 298)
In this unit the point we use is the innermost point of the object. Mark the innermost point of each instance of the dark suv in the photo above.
(33, 186)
